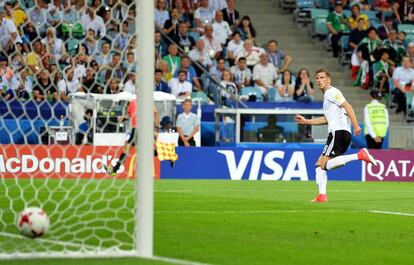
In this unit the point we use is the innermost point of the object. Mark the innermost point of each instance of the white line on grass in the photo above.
(255, 212)
(392, 213)
(177, 261)
(57, 242)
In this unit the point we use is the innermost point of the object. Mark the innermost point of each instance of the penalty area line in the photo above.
(176, 261)
(392, 213)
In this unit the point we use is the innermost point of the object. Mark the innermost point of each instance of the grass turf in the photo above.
(237, 222)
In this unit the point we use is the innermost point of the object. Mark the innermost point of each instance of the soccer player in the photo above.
(337, 113)
(132, 117)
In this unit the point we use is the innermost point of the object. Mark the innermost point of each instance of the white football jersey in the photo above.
(334, 113)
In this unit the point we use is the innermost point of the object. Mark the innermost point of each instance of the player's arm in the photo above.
(317, 121)
(351, 114)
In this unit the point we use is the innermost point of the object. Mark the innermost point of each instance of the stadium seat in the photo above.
(288, 5)
(346, 52)
(317, 27)
(271, 93)
(407, 28)
(252, 91)
(302, 12)
(200, 96)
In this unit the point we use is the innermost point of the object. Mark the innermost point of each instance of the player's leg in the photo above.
(321, 177)
(112, 170)
(339, 145)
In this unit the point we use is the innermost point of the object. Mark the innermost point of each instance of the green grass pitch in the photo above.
(227, 222)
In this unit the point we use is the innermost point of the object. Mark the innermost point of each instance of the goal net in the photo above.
(67, 75)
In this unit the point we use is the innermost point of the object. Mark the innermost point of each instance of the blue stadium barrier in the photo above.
(259, 163)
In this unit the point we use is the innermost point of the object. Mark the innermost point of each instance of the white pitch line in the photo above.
(392, 213)
(255, 212)
(57, 242)
(177, 261)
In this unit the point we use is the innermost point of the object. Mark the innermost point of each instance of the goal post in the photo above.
(145, 180)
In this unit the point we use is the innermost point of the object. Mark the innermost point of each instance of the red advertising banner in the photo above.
(392, 165)
(65, 161)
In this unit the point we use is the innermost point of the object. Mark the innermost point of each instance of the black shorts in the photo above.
(337, 143)
(131, 139)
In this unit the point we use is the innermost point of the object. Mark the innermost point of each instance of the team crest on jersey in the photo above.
(338, 97)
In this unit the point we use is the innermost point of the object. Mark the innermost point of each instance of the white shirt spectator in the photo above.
(206, 15)
(267, 74)
(202, 57)
(7, 27)
(230, 87)
(217, 4)
(240, 76)
(38, 17)
(221, 31)
(80, 71)
(67, 86)
(97, 24)
(56, 47)
(211, 46)
(403, 75)
(160, 17)
(178, 87)
(16, 81)
(234, 47)
(253, 57)
(129, 87)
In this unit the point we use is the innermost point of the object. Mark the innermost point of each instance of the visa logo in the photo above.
(273, 161)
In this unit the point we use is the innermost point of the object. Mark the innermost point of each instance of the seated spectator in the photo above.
(85, 133)
(6, 75)
(231, 15)
(402, 37)
(159, 84)
(129, 84)
(203, 15)
(410, 51)
(113, 86)
(264, 74)
(90, 83)
(217, 70)
(285, 87)
(356, 16)
(382, 6)
(404, 11)
(230, 88)
(171, 25)
(130, 64)
(44, 88)
(166, 73)
(69, 14)
(246, 29)
(395, 44)
(383, 69)
(120, 11)
(161, 48)
(29, 36)
(251, 53)
(22, 85)
(365, 50)
(242, 74)
(191, 73)
(53, 16)
(183, 14)
(122, 38)
(9, 36)
(131, 20)
(166, 124)
(303, 87)
(202, 57)
(34, 59)
(55, 47)
(16, 14)
(93, 21)
(234, 47)
(172, 58)
(68, 84)
(79, 63)
(221, 28)
(161, 13)
(104, 56)
(386, 27)
(217, 5)
(211, 44)
(180, 87)
(279, 59)
(115, 69)
(188, 124)
(183, 39)
(336, 23)
(403, 78)
(37, 16)
(272, 132)
(356, 36)
(90, 43)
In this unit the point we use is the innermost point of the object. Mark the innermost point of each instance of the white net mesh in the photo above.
(47, 158)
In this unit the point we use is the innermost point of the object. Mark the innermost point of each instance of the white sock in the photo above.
(339, 161)
(321, 179)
